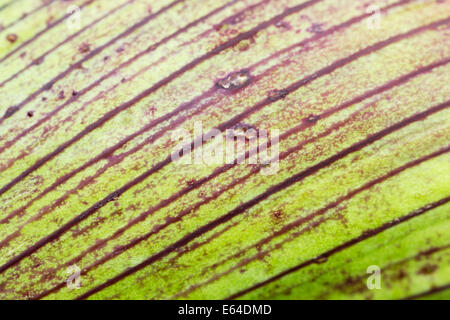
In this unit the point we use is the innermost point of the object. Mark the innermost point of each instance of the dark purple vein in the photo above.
(225, 168)
(114, 71)
(155, 87)
(269, 192)
(429, 292)
(221, 127)
(304, 220)
(93, 53)
(67, 40)
(27, 14)
(365, 235)
(6, 5)
(37, 35)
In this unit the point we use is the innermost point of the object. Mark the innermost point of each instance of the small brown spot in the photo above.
(315, 28)
(401, 275)
(278, 214)
(190, 183)
(235, 19)
(119, 50)
(61, 95)
(74, 93)
(23, 55)
(275, 95)
(84, 48)
(30, 114)
(50, 21)
(11, 37)
(427, 269)
(153, 110)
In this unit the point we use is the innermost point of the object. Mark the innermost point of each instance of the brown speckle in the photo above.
(30, 114)
(61, 95)
(316, 28)
(400, 275)
(275, 95)
(427, 269)
(235, 19)
(11, 37)
(50, 21)
(84, 48)
(190, 183)
(74, 93)
(277, 214)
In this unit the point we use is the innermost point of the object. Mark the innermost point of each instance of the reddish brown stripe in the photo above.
(37, 35)
(222, 127)
(302, 43)
(272, 190)
(158, 85)
(152, 124)
(219, 171)
(68, 39)
(114, 71)
(155, 87)
(308, 218)
(234, 120)
(26, 14)
(429, 292)
(93, 53)
(366, 235)
(196, 100)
